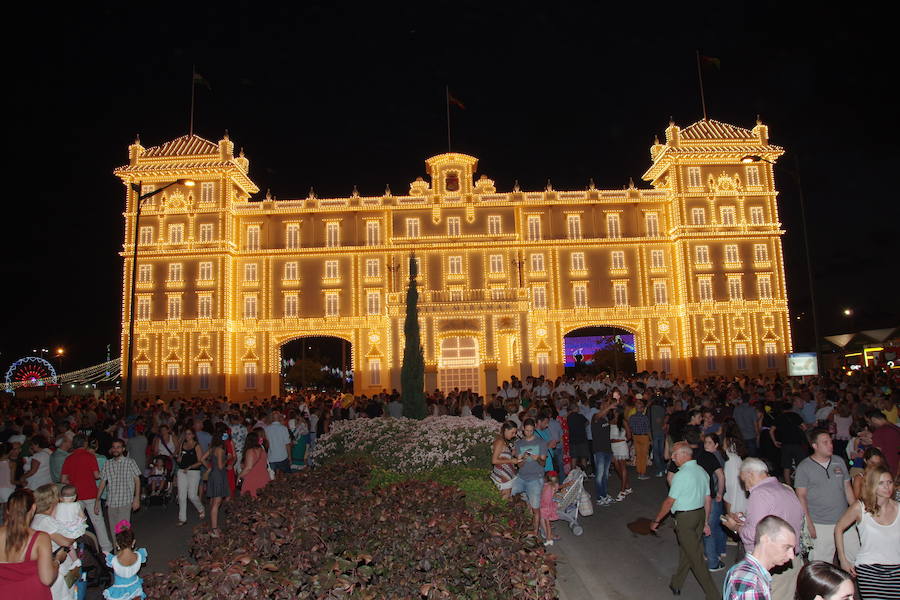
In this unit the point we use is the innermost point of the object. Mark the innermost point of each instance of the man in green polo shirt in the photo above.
(689, 501)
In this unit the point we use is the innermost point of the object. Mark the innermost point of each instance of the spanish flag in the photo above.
(456, 101)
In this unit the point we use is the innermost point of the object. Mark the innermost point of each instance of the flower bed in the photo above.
(408, 445)
(324, 534)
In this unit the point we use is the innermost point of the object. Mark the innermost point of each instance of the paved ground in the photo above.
(608, 561)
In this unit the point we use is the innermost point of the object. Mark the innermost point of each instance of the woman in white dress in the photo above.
(46, 498)
(619, 434)
(735, 452)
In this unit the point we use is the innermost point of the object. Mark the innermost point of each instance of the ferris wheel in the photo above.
(30, 371)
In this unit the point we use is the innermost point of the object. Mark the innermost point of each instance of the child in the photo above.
(157, 478)
(548, 506)
(70, 515)
(125, 564)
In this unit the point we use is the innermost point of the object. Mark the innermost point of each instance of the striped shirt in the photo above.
(747, 580)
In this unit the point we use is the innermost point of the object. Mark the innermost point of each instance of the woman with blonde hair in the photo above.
(28, 567)
(46, 498)
(877, 516)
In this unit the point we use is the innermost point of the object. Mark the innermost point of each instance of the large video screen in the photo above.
(587, 346)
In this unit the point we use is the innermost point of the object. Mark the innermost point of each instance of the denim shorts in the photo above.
(532, 489)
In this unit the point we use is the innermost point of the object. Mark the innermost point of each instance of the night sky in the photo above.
(330, 95)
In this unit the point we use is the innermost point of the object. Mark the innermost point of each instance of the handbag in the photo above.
(271, 472)
(585, 507)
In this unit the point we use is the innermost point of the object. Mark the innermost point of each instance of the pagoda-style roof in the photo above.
(186, 145)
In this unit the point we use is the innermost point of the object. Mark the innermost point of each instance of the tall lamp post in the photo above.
(795, 174)
(141, 198)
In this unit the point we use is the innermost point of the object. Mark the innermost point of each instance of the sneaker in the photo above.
(606, 501)
(643, 477)
(718, 567)
(548, 543)
(621, 496)
(627, 491)
(661, 474)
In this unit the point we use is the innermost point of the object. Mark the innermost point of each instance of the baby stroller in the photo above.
(568, 498)
(93, 563)
(165, 493)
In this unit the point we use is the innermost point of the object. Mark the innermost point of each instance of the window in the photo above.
(534, 227)
(250, 307)
(373, 267)
(651, 221)
(665, 359)
(206, 191)
(453, 226)
(727, 214)
(204, 306)
(252, 237)
(412, 227)
(173, 373)
(250, 272)
(174, 307)
(373, 233)
(176, 233)
(612, 226)
(537, 263)
(573, 227)
(143, 308)
(620, 293)
(373, 303)
(764, 287)
(657, 259)
(203, 375)
(146, 235)
(701, 255)
(735, 289)
(205, 271)
(578, 261)
(495, 225)
(704, 285)
(145, 273)
(579, 291)
(454, 265)
(290, 271)
(143, 373)
(331, 304)
(770, 352)
(496, 263)
(374, 371)
(698, 216)
(291, 304)
(539, 296)
(331, 269)
(752, 175)
(206, 232)
(458, 365)
(740, 353)
(250, 376)
(660, 292)
(333, 234)
(292, 236)
(760, 252)
(147, 188)
(694, 180)
(543, 364)
(617, 259)
(756, 215)
(731, 254)
(175, 271)
(710, 352)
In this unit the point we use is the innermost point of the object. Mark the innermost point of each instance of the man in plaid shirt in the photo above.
(121, 476)
(750, 579)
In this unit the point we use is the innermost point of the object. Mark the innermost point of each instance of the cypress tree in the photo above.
(412, 374)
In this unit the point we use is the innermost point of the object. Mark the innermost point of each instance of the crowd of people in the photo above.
(834, 439)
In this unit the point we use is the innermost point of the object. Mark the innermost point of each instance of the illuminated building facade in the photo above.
(693, 267)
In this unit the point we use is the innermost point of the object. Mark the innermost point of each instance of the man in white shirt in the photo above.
(279, 444)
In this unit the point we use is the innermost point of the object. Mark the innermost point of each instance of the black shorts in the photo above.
(791, 455)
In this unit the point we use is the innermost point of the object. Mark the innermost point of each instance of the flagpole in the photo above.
(193, 87)
(447, 91)
(700, 77)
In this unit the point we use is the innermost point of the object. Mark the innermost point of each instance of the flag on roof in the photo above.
(711, 61)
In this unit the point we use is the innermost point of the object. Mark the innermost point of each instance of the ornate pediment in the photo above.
(724, 183)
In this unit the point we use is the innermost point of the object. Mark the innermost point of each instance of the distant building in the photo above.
(693, 267)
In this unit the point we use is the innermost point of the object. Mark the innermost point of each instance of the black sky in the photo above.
(334, 95)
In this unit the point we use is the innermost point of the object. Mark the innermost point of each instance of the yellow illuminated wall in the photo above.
(693, 266)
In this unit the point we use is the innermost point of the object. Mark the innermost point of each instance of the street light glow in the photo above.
(848, 312)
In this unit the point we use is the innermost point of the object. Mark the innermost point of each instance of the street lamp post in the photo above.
(43, 351)
(795, 173)
(141, 198)
(60, 352)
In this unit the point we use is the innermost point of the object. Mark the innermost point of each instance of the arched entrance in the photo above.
(459, 364)
(321, 362)
(595, 349)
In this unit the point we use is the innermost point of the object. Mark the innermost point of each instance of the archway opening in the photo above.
(459, 365)
(598, 349)
(317, 362)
